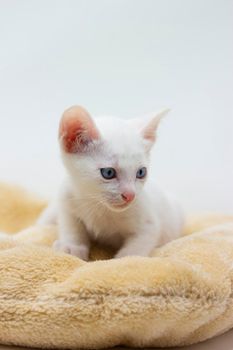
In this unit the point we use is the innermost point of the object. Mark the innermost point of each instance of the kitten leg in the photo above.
(73, 237)
(140, 244)
(48, 215)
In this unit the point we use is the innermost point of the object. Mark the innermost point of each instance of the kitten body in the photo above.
(128, 211)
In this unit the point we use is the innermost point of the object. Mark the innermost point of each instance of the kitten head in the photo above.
(107, 158)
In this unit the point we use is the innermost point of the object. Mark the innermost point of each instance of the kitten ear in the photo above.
(149, 130)
(77, 129)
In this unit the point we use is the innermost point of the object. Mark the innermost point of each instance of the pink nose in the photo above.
(128, 196)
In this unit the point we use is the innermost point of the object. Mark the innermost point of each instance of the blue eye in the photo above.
(141, 173)
(108, 173)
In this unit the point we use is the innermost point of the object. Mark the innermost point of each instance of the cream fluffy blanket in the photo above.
(179, 296)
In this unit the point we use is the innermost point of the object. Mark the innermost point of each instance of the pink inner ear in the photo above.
(149, 134)
(149, 131)
(77, 129)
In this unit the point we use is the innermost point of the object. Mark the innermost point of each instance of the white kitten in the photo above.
(108, 195)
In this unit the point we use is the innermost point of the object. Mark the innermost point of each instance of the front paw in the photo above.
(81, 251)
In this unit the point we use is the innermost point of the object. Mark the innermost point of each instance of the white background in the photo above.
(126, 58)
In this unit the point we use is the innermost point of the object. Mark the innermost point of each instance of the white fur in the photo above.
(88, 206)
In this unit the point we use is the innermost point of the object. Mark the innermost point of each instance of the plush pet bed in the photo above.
(179, 296)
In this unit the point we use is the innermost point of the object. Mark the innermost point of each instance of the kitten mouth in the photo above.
(119, 207)
(123, 205)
